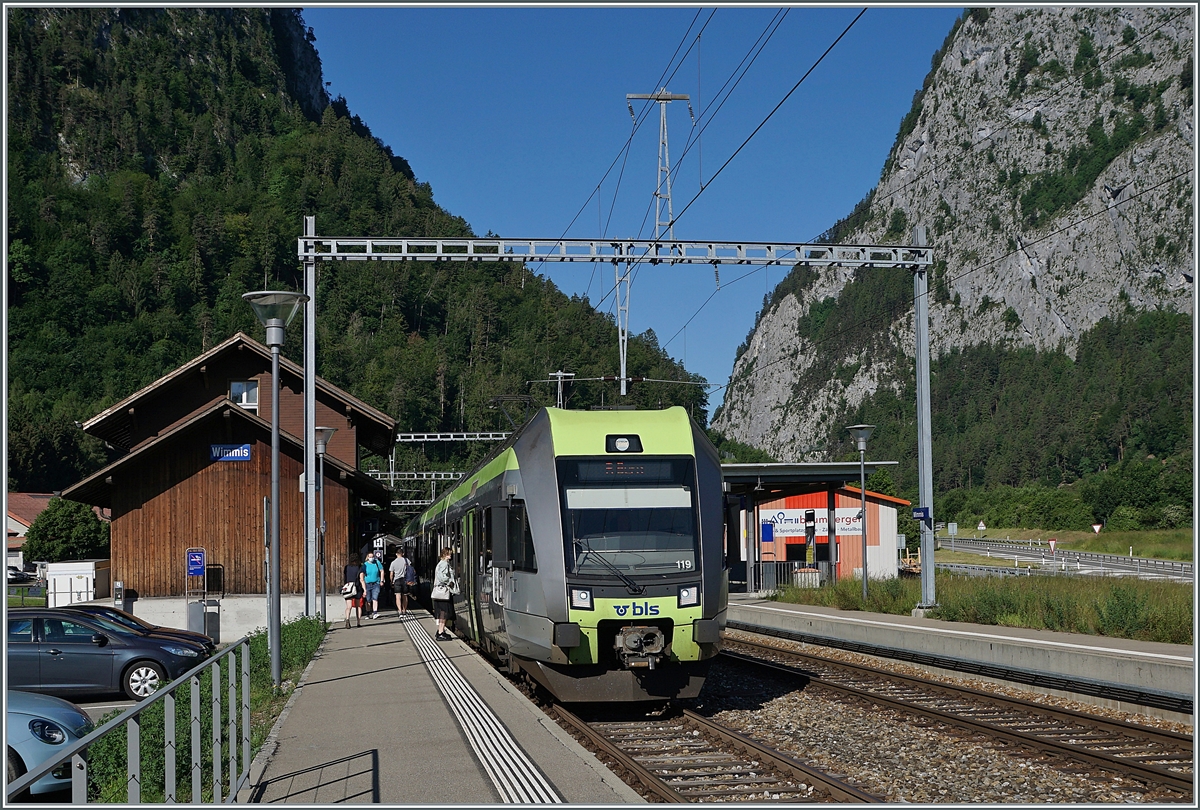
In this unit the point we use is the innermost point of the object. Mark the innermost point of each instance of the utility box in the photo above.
(75, 581)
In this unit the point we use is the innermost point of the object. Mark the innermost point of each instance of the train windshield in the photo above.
(632, 516)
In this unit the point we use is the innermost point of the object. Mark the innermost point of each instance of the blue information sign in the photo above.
(920, 513)
(195, 562)
(229, 452)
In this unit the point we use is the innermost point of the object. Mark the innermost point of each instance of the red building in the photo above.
(783, 521)
(196, 472)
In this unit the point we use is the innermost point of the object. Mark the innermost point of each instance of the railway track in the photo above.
(1153, 756)
(687, 758)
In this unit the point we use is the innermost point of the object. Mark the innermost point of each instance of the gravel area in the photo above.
(904, 759)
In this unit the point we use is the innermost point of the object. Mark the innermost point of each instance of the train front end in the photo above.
(643, 582)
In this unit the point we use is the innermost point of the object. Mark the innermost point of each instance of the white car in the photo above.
(39, 727)
(16, 575)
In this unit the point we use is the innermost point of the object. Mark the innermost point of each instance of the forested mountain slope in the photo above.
(160, 163)
(1050, 155)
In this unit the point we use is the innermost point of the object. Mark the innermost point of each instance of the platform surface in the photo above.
(371, 723)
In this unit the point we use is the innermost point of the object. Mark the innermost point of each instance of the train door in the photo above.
(494, 565)
(470, 571)
(464, 621)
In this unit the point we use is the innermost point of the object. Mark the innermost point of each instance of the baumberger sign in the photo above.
(790, 522)
(229, 452)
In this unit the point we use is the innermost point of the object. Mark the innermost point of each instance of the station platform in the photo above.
(1114, 667)
(386, 714)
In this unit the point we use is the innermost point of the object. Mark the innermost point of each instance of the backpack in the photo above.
(410, 575)
(403, 575)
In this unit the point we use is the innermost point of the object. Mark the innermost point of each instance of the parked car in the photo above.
(64, 652)
(16, 576)
(39, 726)
(140, 625)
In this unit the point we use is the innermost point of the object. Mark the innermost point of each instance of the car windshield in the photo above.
(123, 619)
(633, 516)
(112, 626)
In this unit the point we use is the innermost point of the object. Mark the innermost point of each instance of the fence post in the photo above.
(245, 708)
(197, 769)
(133, 759)
(79, 779)
(169, 751)
(217, 765)
(233, 747)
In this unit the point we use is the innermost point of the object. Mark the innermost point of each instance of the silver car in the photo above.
(40, 726)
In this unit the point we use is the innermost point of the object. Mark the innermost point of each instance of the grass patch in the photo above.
(299, 640)
(1121, 607)
(21, 599)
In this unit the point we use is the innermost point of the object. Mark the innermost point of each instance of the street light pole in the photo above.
(275, 310)
(323, 435)
(861, 433)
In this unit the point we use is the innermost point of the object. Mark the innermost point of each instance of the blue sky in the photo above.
(514, 115)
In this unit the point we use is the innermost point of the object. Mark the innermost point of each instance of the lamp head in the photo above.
(324, 434)
(861, 433)
(275, 310)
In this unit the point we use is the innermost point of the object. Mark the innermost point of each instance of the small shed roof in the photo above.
(24, 507)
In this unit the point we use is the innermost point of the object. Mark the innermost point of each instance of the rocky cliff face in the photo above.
(1050, 157)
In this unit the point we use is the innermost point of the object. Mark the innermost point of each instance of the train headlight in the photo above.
(581, 599)
(689, 595)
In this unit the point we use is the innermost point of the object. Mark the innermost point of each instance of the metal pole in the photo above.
(924, 425)
(273, 599)
(862, 477)
(310, 418)
(321, 549)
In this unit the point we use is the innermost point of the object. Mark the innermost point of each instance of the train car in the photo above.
(590, 553)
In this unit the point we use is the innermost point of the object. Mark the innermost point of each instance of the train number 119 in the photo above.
(683, 565)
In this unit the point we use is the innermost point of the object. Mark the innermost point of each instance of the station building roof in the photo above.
(769, 482)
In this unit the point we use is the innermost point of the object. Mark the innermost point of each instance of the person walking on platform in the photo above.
(441, 594)
(373, 578)
(353, 589)
(399, 571)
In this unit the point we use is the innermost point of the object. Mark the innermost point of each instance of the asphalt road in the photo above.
(97, 707)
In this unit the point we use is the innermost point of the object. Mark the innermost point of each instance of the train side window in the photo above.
(520, 539)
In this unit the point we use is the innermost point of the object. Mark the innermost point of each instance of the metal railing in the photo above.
(1053, 557)
(226, 736)
(771, 576)
(31, 591)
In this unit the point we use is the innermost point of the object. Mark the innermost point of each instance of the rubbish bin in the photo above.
(196, 619)
(212, 620)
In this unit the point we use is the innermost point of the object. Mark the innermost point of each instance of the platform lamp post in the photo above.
(861, 433)
(323, 435)
(275, 309)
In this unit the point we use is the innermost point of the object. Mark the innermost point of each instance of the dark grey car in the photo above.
(66, 653)
(139, 625)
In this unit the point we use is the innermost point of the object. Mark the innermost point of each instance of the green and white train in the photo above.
(590, 550)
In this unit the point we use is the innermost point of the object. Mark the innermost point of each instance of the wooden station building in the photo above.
(196, 473)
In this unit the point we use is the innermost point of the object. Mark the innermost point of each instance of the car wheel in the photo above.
(142, 679)
(16, 769)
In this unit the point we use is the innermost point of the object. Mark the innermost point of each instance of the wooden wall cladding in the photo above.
(179, 499)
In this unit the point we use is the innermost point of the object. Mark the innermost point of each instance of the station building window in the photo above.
(245, 394)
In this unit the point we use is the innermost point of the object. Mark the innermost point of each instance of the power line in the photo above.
(773, 111)
(1012, 120)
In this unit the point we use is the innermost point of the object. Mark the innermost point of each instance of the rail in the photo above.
(226, 736)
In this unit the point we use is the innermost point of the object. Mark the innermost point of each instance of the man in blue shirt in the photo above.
(373, 578)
